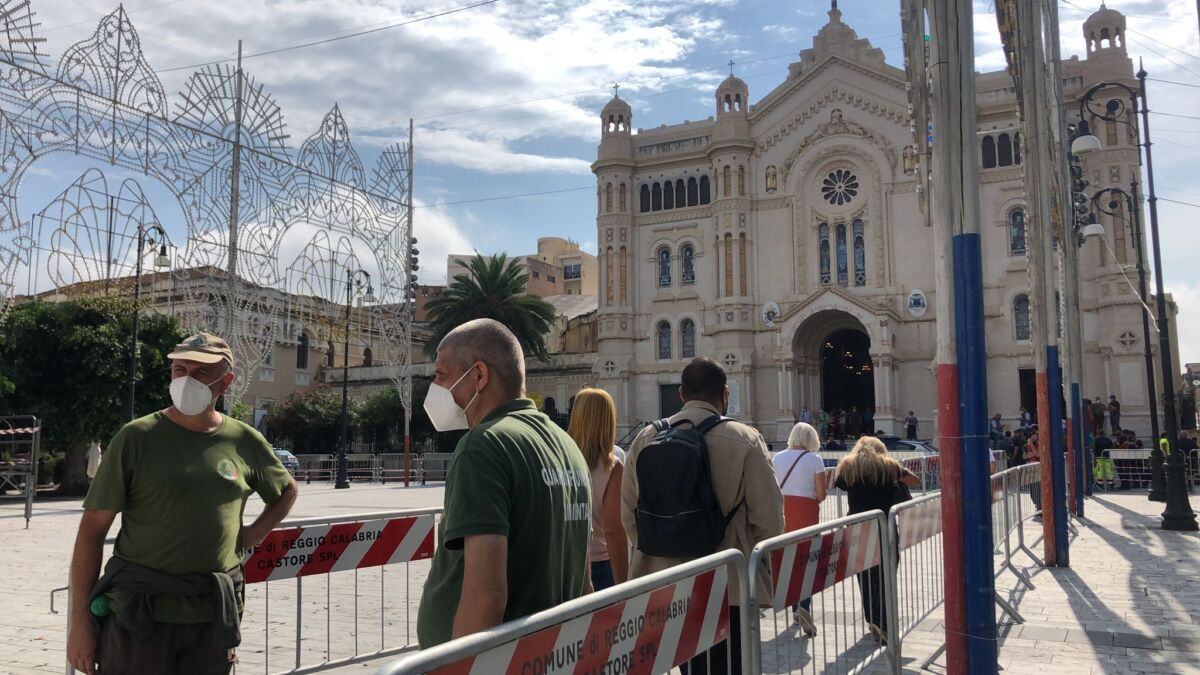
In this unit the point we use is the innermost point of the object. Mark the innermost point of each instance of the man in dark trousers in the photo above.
(171, 596)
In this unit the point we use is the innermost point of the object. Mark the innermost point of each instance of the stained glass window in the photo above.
(839, 187)
(663, 334)
(843, 271)
(688, 265)
(860, 255)
(823, 248)
(1016, 232)
(664, 267)
(1022, 329)
(687, 339)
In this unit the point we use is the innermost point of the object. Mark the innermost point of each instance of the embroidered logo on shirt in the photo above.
(227, 470)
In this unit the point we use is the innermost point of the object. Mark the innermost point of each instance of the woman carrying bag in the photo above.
(800, 472)
(873, 480)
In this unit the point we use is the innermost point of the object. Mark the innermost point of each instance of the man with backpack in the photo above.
(697, 483)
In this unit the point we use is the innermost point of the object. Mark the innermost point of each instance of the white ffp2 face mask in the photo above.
(443, 412)
(190, 396)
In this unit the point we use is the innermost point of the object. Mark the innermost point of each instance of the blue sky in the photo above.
(506, 96)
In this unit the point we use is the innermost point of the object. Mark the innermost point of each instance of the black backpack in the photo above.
(678, 515)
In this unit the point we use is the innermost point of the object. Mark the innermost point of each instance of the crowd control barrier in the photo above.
(843, 571)
(647, 625)
(20, 448)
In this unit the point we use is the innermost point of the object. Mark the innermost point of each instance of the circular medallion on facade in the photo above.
(839, 187)
(770, 313)
(916, 303)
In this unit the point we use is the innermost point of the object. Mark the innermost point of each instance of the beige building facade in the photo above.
(786, 239)
(560, 267)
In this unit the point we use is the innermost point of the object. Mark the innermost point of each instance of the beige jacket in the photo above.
(741, 470)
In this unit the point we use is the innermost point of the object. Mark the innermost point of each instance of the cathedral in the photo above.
(787, 240)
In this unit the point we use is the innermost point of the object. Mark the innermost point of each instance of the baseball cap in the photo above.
(204, 348)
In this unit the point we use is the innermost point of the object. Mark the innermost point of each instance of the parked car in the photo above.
(289, 461)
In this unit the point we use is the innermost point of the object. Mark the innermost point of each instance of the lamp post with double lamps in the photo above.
(1178, 514)
(161, 261)
(1115, 202)
(354, 282)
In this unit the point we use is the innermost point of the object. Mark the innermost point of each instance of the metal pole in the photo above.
(234, 195)
(133, 343)
(411, 313)
(343, 479)
(1158, 487)
(1178, 514)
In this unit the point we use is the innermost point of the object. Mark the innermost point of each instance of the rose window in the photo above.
(839, 187)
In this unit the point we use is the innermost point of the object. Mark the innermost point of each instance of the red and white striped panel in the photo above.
(919, 523)
(320, 549)
(19, 430)
(808, 567)
(650, 633)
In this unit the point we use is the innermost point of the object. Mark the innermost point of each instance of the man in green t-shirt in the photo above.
(514, 535)
(170, 599)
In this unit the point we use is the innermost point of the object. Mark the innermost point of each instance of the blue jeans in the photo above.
(602, 575)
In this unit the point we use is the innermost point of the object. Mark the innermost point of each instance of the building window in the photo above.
(988, 152)
(741, 181)
(644, 205)
(687, 256)
(1022, 329)
(839, 187)
(1017, 148)
(574, 271)
(680, 194)
(664, 267)
(669, 195)
(624, 266)
(1016, 232)
(302, 352)
(621, 202)
(1119, 237)
(727, 182)
(705, 197)
(693, 195)
(843, 266)
(550, 278)
(368, 357)
(687, 339)
(742, 263)
(823, 251)
(663, 335)
(1110, 133)
(537, 275)
(728, 264)
(608, 198)
(656, 197)
(860, 255)
(608, 276)
(1004, 151)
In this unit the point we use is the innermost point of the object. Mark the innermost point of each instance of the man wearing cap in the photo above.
(171, 595)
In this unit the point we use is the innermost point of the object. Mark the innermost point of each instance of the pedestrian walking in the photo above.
(733, 487)
(806, 416)
(171, 596)
(514, 535)
(1114, 412)
(854, 426)
(910, 426)
(823, 424)
(873, 480)
(1098, 410)
(594, 427)
(800, 472)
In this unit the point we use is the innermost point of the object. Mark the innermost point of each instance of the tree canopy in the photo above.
(493, 288)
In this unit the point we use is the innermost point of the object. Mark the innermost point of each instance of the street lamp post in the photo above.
(354, 280)
(1113, 207)
(1178, 514)
(160, 261)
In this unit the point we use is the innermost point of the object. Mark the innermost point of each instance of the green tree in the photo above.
(309, 422)
(493, 288)
(68, 363)
(382, 417)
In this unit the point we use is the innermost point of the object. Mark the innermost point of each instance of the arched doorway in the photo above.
(847, 377)
(831, 352)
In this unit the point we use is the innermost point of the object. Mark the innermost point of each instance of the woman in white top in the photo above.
(800, 472)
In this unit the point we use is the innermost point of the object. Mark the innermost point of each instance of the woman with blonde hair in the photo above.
(800, 472)
(594, 428)
(873, 480)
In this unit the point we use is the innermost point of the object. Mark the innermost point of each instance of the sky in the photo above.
(506, 95)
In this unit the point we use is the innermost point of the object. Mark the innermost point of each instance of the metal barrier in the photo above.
(20, 450)
(382, 468)
(647, 625)
(843, 627)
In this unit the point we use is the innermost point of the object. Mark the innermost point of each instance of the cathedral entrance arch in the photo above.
(831, 350)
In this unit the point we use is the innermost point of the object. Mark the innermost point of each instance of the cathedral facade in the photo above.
(788, 241)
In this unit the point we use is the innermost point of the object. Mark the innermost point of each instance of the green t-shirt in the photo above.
(181, 495)
(519, 475)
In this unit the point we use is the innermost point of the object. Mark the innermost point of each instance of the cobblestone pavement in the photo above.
(1128, 604)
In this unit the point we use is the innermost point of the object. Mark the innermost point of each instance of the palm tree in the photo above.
(493, 288)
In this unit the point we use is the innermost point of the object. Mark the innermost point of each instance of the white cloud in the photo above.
(438, 235)
(781, 31)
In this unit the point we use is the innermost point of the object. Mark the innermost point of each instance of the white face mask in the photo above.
(443, 412)
(190, 396)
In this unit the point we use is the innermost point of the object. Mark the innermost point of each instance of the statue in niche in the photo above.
(772, 179)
